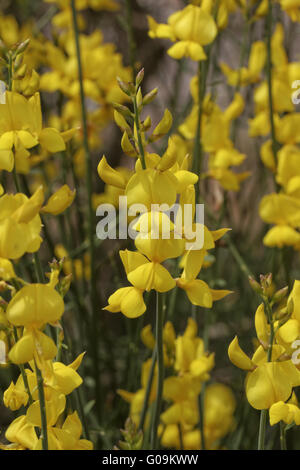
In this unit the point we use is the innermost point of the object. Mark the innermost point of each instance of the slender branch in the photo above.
(270, 79)
(263, 413)
(91, 220)
(147, 391)
(40, 385)
(138, 131)
(262, 429)
(203, 68)
(160, 372)
(282, 436)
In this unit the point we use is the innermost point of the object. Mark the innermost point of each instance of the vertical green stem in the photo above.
(88, 164)
(38, 268)
(10, 71)
(262, 429)
(270, 79)
(147, 391)
(263, 414)
(203, 68)
(40, 385)
(138, 131)
(160, 372)
(282, 436)
(198, 149)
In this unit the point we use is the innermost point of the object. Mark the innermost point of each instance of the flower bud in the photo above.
(14, 397)
(22, 47)
(127, 88)
(139, 77)
(149, 97)
(120, 108)
(280, 294)
(255, 285)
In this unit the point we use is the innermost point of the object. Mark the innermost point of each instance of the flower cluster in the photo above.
(273, 371)
(189, 367)
(154, 186)
(32, 336)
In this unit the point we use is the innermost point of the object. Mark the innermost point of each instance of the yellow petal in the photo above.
(238, 357)
(60, 200)
(109, 175)
(51, 140)
(35, 304)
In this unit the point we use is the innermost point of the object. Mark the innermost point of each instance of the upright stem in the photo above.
(270, 79)
(10, 72)
(138, 131)
(238, 257)
(160, 371)
(263, 413)
(38, 268)
(88, 165)
(147, 391)
(40, 385)
(198, 150)
(203, 68)
(282, 436)
(262, 429)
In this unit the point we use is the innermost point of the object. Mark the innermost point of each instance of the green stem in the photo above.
(148, 391)
(263, 413)
(244, 52)
(91, 220)
(10, 71)
(160, 371)
(181, 444)
(40, 385)
(282, 436)
(270, 79)
(138, 131)
(203, 67)
(38, 268)
(198, 149)
(262, 429)
(238, 258)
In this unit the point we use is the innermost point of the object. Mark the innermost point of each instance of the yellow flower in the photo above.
(22, 433)
(21, 129)
(15, 396)
(191, 28)
(286, 412)
(267, 382)
(292, 7)
(245, 76)
(198, 292)
(34, 306)
(20, 224)
(128, 300)
(59, 201)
